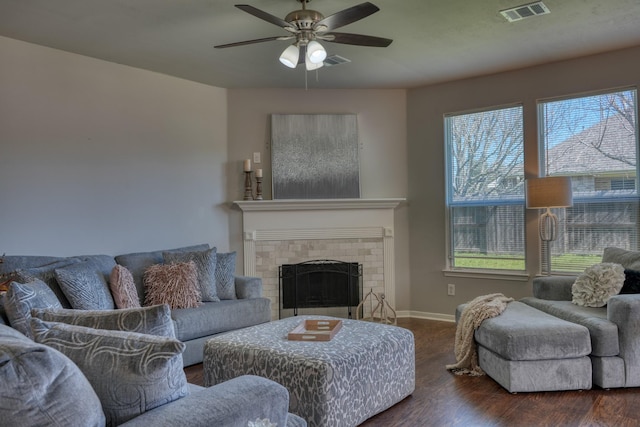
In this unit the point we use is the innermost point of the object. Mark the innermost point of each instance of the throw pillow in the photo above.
(172, 284)
(41, 387)
(131, 373)
(205, 264)
(47, 274)
(85, 286)
(631, 283)
(123, 288)
(22, 297)
(154, 320)
(225, 275)
(597, 284)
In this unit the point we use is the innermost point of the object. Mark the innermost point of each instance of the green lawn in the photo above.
(567, 262)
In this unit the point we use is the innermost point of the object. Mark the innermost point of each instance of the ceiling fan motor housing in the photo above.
(304, 19)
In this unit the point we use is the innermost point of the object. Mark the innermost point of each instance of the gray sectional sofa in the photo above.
(193, 326)
(113, 367)
(541, 342)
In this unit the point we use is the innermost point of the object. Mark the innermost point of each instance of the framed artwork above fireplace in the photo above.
(315, 156)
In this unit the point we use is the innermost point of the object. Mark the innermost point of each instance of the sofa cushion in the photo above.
(172, 284)
(40, 384)
(154, 320)
(138, 262)
(628, 259)
(205, 262)
(603, 332)
(123, 288)
(85, 286)
(597, 284)
(47, 274)
(522, 332)
(225, 275)
(22, 297)
(215, 317)
(131, 373)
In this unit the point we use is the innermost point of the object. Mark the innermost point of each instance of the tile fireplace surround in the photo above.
(277, 232)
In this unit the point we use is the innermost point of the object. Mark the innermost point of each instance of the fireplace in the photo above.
(278, 232)
(319, 284)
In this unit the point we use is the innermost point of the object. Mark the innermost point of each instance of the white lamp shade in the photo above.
(549, 192)
(290, 56)
(315, 52)
(311, 66)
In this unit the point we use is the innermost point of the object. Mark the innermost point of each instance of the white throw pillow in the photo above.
(597, 284)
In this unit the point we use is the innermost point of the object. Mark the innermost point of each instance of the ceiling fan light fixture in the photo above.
(290, 56)
(315, 52)
(310, 66)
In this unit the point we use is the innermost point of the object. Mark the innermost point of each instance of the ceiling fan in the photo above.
(307, 26)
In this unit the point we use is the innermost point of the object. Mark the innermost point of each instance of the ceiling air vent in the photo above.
(332, 60)
(525, 11)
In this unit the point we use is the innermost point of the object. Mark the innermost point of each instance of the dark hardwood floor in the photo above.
(444, 399)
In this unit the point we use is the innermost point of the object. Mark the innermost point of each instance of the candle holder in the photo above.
(248, 190)
(258, 188)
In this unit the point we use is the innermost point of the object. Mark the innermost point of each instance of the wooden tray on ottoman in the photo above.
(315, 330)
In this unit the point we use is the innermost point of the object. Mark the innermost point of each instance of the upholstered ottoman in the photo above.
(525, 349)
(365, 369)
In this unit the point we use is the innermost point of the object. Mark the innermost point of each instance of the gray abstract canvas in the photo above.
(315, 156)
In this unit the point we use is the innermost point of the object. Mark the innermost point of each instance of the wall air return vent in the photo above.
(332, 60)
(525, 11)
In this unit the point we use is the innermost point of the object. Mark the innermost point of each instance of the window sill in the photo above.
(486, 274)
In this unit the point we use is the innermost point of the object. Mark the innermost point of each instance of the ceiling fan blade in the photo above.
(265, 16)
(355, 39)
(266, 39)
(346, 16)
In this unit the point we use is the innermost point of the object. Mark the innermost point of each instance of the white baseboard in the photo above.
(427, 316)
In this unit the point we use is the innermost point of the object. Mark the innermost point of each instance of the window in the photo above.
(485, 189)
(593, 139)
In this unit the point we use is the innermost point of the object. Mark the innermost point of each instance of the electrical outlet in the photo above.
(256, 157)
(451, 289)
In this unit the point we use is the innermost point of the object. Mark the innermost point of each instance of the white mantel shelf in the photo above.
(316, 204)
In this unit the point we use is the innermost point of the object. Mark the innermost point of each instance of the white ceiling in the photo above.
(434, 40)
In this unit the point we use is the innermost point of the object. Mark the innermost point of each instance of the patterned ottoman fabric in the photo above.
(365, 369)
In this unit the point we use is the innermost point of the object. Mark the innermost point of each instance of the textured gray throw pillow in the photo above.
(225, 275)
(85, 286)
(131, 373)
(154, 320)
(22, 297)
(205, 262)
(47, 274)
(597, 284)
(39, 386)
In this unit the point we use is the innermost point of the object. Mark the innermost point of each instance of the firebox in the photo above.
(309, 287)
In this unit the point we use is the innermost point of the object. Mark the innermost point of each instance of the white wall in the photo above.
(383, 158)
(97, 157)
(426, 107)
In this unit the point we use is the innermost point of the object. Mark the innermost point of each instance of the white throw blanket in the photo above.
(465, 350)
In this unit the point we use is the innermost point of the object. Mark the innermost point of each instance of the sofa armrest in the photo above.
(232, 403)
(248, 287)
(624, 311)
(554, 288)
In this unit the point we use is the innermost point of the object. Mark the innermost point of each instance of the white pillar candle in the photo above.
(247, 165)
(258, 173)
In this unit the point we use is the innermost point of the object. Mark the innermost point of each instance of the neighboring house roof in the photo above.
(615, 141)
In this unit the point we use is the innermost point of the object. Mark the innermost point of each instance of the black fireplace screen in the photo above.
(321, 283)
